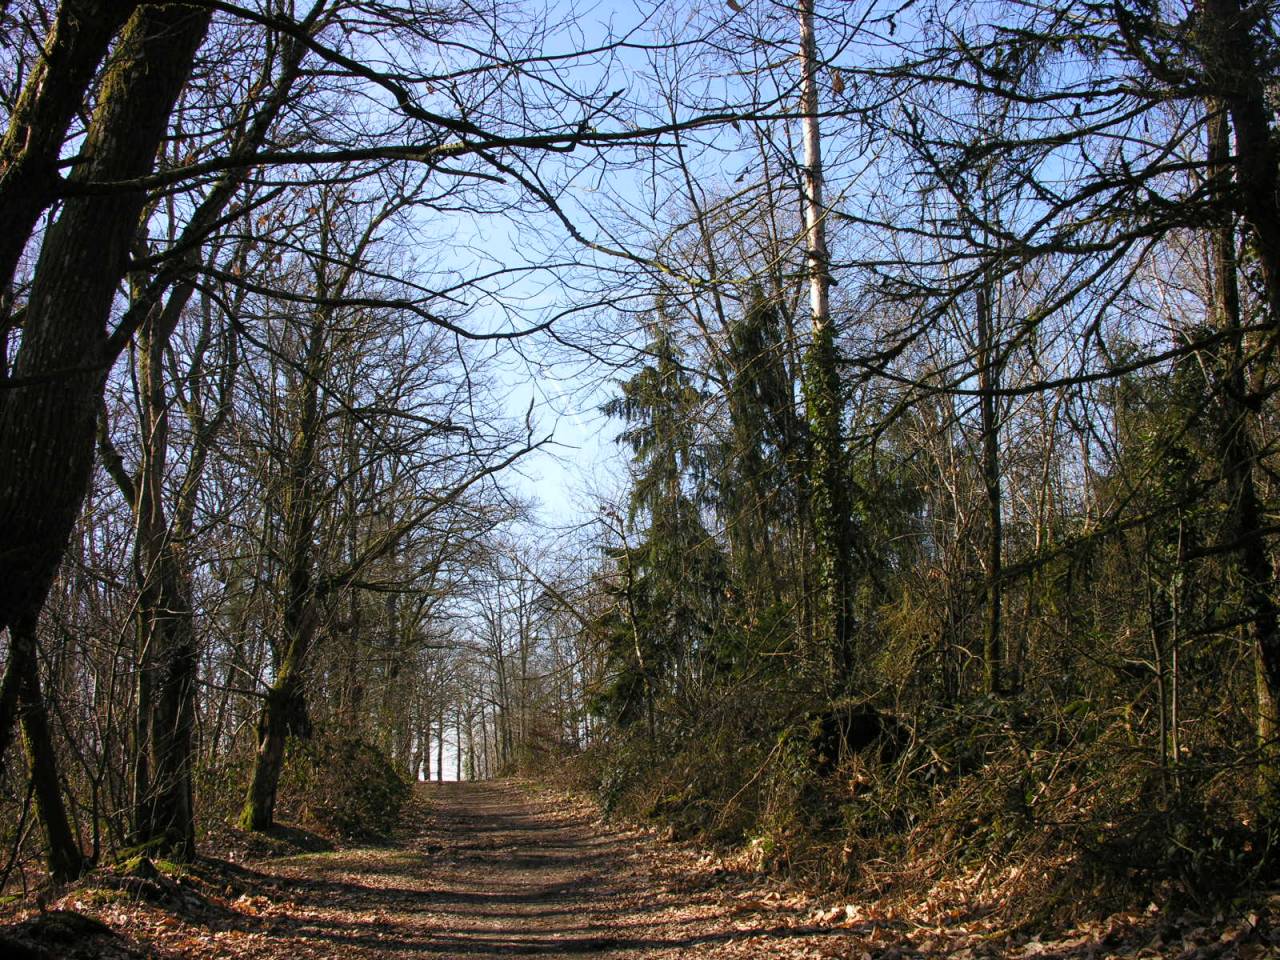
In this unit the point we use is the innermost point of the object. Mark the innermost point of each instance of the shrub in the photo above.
(343, 786)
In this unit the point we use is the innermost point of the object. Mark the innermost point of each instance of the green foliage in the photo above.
(1120, 761)
(343, 787)
(707, 781)
(758, 478)
(667, 591)
(830, 509)
(658, 405)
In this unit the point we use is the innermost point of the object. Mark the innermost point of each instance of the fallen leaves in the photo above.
(492, 870)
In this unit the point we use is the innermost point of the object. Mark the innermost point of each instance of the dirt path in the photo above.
(501, 870)
(495, 871)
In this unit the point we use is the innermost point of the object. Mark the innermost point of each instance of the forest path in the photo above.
(504, 869)
(496, 870)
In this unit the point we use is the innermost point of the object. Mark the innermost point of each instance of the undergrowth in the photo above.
(340, 787)
(981, 808)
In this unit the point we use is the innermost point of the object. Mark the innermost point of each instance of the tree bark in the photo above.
(1239, 463)
(56, 88)
(829, 481)
(284, 714)
(10, 687)
(988, 383)
(47, 423)
(63, 855)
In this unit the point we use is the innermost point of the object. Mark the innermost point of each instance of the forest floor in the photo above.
(504, 869)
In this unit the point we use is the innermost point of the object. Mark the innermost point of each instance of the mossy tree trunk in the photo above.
(284, 711)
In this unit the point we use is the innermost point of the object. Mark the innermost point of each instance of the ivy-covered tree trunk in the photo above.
(829, 493)
(829, 509)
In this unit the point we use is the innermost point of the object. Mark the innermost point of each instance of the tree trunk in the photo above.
(422, 766)
(440, 742)
(284, 713)
(47, 424)
(988, 383)
(10, 688)
(1239, 463)
(164, 817)
(829, 481)
(65, 859)
(56, 88)
(168, 818)
(457, 756)
(1242, 74)
(471, 741)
